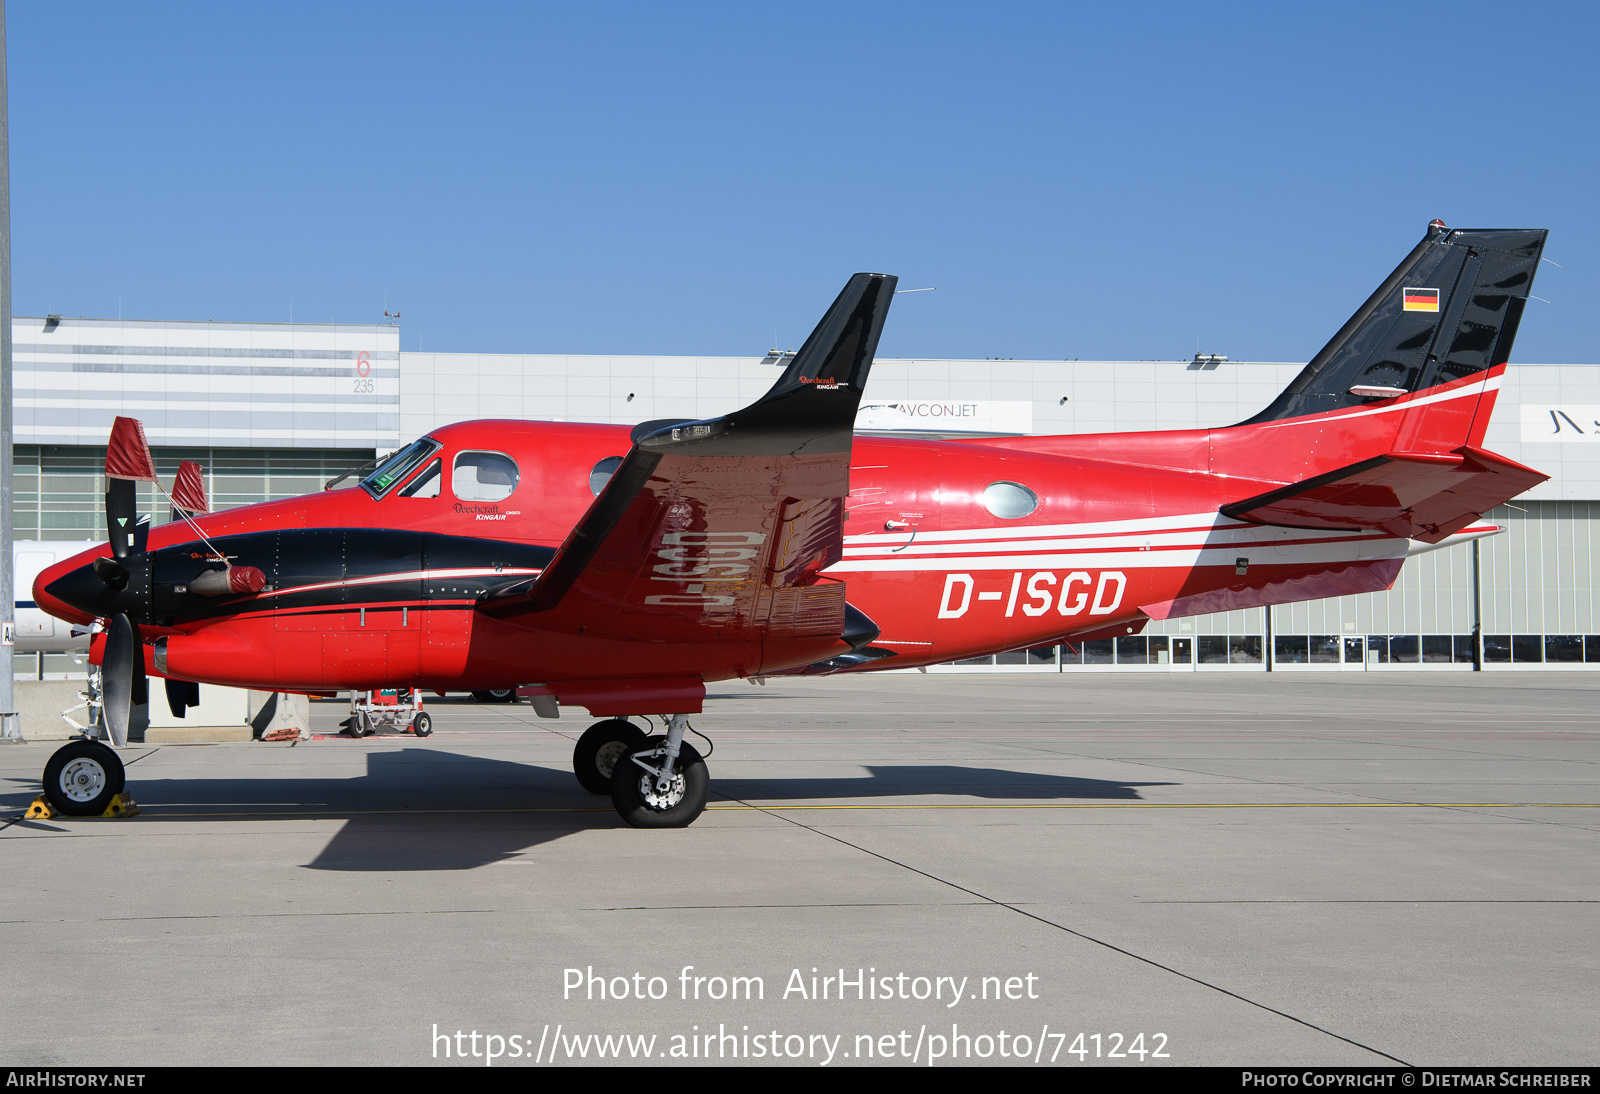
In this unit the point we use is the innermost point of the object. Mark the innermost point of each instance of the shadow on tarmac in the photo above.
(426, 809)
(919, 779)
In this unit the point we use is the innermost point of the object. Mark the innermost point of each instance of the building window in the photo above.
(1563, 647)
(1097, 652)
(1437, 648)
(1244, 649)
(60, 489)
(1291, 649)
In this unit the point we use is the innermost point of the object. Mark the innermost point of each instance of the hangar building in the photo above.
(275, 409)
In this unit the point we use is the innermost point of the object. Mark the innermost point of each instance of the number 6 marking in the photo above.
(363, 364)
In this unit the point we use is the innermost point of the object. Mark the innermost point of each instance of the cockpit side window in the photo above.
(484, 476)
(398, 466)
(425, 485)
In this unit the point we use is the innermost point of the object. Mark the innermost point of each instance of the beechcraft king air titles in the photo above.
(622, 570)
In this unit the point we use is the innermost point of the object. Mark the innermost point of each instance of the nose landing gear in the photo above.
(82, 777)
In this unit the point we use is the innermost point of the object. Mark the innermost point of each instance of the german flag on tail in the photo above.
(1422, 300)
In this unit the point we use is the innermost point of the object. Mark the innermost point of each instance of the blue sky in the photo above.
(1094, 181)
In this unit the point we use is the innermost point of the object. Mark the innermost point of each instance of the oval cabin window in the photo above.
(602, 474)
(1010, 500)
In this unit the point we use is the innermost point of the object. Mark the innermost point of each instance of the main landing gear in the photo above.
(82, 777)
(655, 782)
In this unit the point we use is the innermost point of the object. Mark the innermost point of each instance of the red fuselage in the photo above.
(365, 592)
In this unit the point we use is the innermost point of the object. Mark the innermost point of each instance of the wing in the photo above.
(716, 531)
(1416, 496)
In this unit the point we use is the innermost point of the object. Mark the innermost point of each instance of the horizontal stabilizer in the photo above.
(1413, 495)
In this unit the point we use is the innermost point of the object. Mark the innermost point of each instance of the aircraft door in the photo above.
(893, 500)
(383, 587)
(447, 611)
(307, 575)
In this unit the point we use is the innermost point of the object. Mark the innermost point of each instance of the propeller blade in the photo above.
(128, 453)
(189, 490)
(182, 695)
(117, 677)
(128, 461)
(122, 518)
(178, 696)
(141, 682)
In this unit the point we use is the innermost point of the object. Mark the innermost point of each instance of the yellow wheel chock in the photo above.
(121, 806)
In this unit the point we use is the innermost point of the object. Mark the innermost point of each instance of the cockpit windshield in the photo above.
(398, 466)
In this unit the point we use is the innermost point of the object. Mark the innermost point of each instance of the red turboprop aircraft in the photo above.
(623, 569)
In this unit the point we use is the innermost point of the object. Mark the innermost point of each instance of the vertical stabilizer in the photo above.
(1448, 312)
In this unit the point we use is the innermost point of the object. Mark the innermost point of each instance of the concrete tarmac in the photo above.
(1247, 869)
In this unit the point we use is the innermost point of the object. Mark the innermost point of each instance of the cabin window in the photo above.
(1010, 500)
(425, 485)
(602, 474)
(484, 476)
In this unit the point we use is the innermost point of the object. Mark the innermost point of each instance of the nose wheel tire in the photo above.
(422, 724)
(81, 778)
(596, 753)
(643, 803)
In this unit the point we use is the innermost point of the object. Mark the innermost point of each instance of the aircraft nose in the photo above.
(74, 593)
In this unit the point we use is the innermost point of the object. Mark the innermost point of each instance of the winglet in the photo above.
(812, 407)
(809, 413)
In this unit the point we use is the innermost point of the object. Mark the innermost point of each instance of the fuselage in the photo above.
(368, 587)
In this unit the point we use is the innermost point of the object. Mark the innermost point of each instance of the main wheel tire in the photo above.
(503, 695)
(596, 753)
(82, 777)
(633, 789)
(422, 724)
